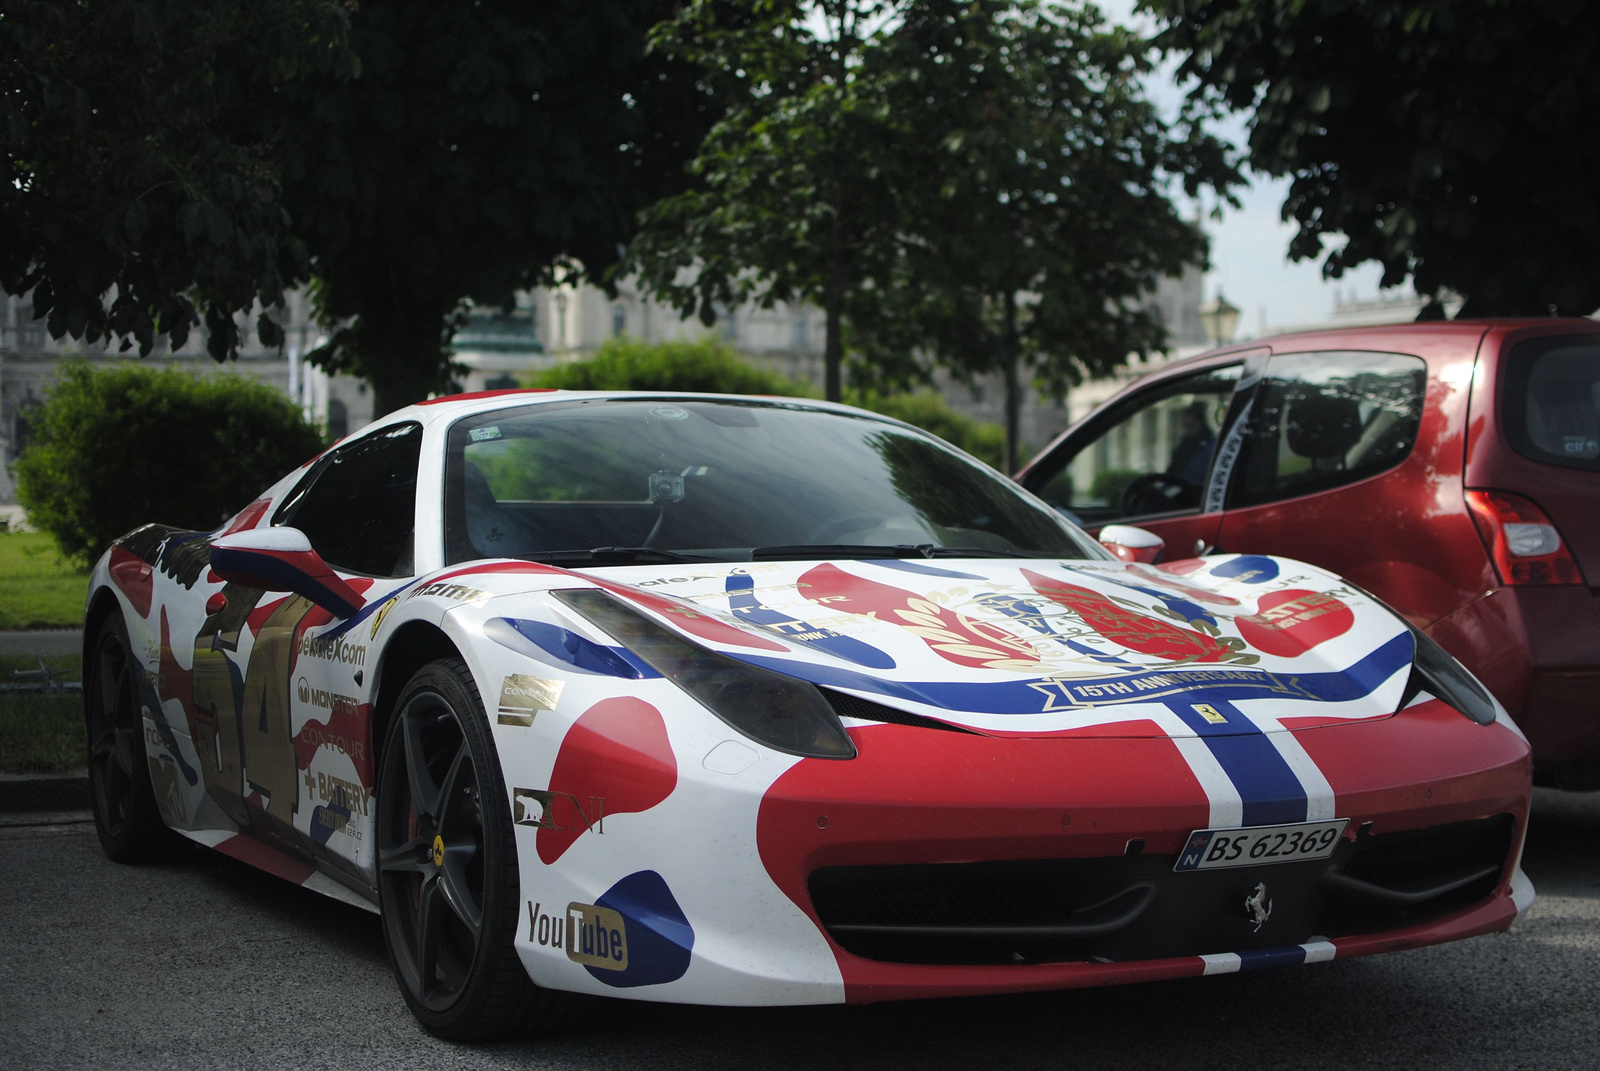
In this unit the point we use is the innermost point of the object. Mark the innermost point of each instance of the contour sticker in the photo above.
(522, 696)
(1248, 569)
(615, 759)
(131, 573)
(656, 938)
(1290, 623)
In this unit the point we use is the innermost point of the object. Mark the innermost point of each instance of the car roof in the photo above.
(1395, 337)
(450, 408)
(1388, 337)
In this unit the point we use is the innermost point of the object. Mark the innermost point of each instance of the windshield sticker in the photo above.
(483, 435)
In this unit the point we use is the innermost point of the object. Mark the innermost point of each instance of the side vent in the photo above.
(850, 706)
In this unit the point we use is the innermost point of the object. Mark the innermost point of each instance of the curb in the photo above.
(41, 641)
(44, 792)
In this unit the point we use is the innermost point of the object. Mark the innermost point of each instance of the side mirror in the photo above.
(1132, 544)
(281, 559)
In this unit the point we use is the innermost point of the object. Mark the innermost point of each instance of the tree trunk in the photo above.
(833, 345)
(833, 307)
(1010, 375)
(403, 357)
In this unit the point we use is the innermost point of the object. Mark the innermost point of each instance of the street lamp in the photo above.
(1219, 319)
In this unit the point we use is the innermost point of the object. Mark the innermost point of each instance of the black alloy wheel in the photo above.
(448, 882)
(126, 817)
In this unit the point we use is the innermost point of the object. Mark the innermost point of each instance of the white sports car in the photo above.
(760, 701)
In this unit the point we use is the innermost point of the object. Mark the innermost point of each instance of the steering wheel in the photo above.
(1153, 492)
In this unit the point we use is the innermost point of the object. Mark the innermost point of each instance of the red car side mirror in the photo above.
(281, 559)
(1132, 544)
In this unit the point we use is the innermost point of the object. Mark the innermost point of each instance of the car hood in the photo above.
(1214, 646)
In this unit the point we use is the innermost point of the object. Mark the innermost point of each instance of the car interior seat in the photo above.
(1323, 428)
(494, 531)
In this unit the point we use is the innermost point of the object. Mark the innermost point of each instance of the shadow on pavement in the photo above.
(1563, 851)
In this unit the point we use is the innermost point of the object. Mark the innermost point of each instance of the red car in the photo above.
(1451, 468)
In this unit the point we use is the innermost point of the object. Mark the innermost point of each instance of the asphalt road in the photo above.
(210, 964)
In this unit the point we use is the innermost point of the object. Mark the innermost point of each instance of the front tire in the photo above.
(126, 817)
(448, 882)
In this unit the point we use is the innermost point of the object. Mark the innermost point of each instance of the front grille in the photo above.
(1397, 879)
(850, 706)
(1133, 907)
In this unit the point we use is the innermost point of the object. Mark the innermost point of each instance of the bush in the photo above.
(704, 366)
(1109, 484)
(712, 366)
(928, 411)
(116, 447)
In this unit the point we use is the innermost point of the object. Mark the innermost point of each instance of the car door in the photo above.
(1327, 474)
(272, 695)
(1158, 458)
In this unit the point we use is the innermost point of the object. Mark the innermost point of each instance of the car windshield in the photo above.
(613, 480)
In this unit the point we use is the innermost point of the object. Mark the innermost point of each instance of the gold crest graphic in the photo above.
(1210, 713)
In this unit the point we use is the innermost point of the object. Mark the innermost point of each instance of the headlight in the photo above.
(1437, 671)
(781, 712)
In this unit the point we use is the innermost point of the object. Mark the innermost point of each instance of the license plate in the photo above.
(1213, 849)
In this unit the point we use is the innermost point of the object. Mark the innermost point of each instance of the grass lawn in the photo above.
(38, 589)
(41, 733)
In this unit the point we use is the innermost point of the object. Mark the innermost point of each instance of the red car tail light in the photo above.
(1525, 546)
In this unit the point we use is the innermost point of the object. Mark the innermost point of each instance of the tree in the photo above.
(1452, 141)
(794, 194)
(486, 147)
(1035, 222)
(137, 165)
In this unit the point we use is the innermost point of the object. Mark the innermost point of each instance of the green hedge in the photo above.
(701, 366)
(928, 411)
(117, 446)
(710, 365)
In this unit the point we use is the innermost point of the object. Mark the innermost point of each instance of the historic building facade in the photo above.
(497, 348)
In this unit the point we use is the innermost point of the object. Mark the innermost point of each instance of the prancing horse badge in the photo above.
(1259, 905)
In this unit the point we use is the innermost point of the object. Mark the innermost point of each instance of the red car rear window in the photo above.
(1550, 401)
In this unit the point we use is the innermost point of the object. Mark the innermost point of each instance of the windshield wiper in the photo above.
(868, 550)
(617, 556)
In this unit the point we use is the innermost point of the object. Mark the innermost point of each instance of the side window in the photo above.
(1149, 455)
(1321, 420)
(358, 507)
(1550, 401)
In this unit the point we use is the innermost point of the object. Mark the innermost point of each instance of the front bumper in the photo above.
(940, 863)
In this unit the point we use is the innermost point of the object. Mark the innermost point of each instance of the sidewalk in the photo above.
(44, 792)
(51, 641)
